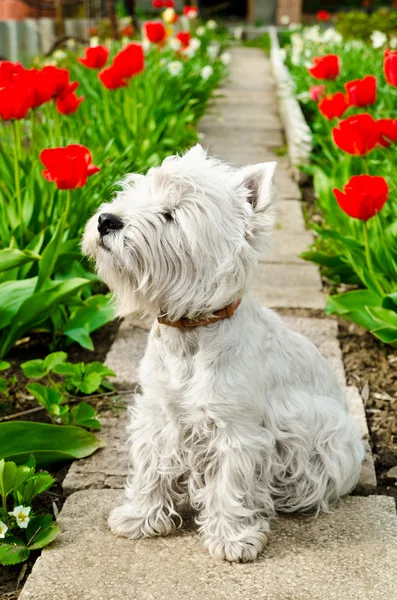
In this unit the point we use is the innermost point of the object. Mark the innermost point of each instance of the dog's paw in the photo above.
(125, 522)
(237, 551)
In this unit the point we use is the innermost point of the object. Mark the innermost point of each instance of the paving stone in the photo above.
(350, 554)
(288, 286)
(289, 216)
(126, 352)
(287, 246)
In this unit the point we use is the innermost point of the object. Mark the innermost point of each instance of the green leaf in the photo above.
(390, 301)
(84, 415)
(41, 531)
(13, 551)
(355, 300)
(81, 336)
(32, 487)
(46, 396)
(384, 316)
(49, 444)
(3, 384)
(34, 369)
(12, 295)
(91, 383)
(388, 335)
(11, 476)
(4, 365)
(11, 258)
(55, 358)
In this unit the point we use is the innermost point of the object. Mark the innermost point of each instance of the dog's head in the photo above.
(184, 239)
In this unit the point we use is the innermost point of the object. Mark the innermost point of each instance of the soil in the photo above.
(12, 578)
(372, 367)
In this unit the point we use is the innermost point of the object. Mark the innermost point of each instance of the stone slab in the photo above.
(287, 246)
(350, 554)
(290, 216)
(288, 286)
(367, 483)
(126, 352)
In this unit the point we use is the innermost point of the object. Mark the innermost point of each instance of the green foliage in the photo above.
(49, 444)
(18, 537)
(360, 25)
(78, 378)
(262, 42)
(45, 285)
(340, 248)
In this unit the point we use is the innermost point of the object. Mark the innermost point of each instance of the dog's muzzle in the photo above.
(108, 222)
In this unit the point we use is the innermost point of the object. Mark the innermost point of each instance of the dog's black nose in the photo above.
(107, 222)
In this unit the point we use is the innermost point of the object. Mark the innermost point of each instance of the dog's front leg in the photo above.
(155, 468)
(229, 487)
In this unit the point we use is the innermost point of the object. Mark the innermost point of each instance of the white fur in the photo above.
(243, 417)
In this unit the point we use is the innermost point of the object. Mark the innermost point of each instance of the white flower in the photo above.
(3, 529)
(331, 35)
(200, 30)
(293, 26)
(146, 45)
(94, 41)
(393, 42)
(59, 54)
(226, 58)
(189, 51)
(71, 44)
(213, 51)
(206, 72)
(21, 513)
(194, 44)
(174, 43)
(238, 33)
(169, 16)
(285, 20)
(211, 24)
(378, 39)
(296, 57)
(125, 41)
(174, 68)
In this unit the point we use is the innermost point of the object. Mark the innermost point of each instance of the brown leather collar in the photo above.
(223, 313)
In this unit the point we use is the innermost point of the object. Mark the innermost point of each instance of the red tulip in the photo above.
(184, 38)
(95, 57)
(69, 167)
(356, 135)
(8, 70)
(325, 67)
(68, 103)
(323, 15)
(390, 67)
(157, 3)
(333, 106)
(316, 91)
(43, 86)
(155, 31)
(387, 131)
(191, 12)
(169, 4)
(127, 31)
(362, 92)
(363, 196)
(129, 61)
(16, 99)
(59, 77)
(111, 78)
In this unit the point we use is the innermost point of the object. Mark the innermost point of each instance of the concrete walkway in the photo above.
(348, 555)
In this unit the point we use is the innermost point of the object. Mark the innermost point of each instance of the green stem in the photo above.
(17, 143)
(369, 262)
(386, 249)
(57, 128)
(106, 105)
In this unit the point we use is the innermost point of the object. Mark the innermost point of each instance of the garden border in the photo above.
(296, 130)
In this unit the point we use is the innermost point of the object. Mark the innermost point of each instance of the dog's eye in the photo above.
(168, 216)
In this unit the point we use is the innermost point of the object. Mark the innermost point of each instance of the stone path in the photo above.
(348, 555)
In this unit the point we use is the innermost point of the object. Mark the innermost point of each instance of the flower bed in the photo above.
(348, 93)
(115, 110)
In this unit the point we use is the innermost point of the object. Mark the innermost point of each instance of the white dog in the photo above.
(238, 414)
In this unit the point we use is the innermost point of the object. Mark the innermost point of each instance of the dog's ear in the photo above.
(259, 181)
(196, 152)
